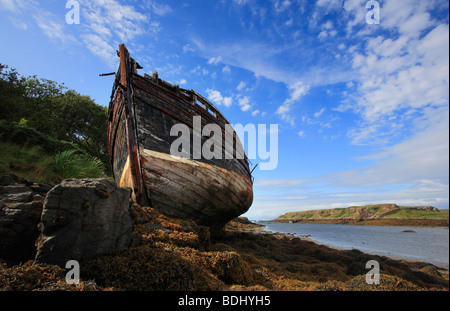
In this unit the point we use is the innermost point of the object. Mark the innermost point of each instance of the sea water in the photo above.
(424, 244)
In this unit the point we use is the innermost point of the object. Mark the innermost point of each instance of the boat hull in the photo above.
(142, 112)
(186, 188)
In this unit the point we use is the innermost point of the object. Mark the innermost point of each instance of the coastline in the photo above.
(373, 222)
(444, 269)
(178, 255)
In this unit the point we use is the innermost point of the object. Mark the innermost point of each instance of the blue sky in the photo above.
(362, 109)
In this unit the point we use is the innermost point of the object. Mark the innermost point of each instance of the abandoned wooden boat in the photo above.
(142, 112)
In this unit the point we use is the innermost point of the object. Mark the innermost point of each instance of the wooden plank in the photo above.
(151, 119)
(194, 189)
(202, 188)
(123, 77)
(195, 171)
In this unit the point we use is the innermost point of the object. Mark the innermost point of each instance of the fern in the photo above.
(75, 164)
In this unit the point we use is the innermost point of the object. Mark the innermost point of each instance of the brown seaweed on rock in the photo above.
(176, 254)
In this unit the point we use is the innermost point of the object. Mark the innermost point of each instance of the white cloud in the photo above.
(240, 2)
(16, 5)
(327, 30)
(289, 22)
(200, 70)
(52, 27)
(217, 98)
(240, 86)
(297, 90)
(415, 24)
(409, 17)
(255, 112)
(281, 5)
(188, 48)
(328, 3)
(319, 113)
(122, 20)
(100, 47)
(401, 74)
(227, 101)
(263, 60)
(160, 9)
(214, 96)
(107, 22)
(412, 172)
(215, 60)
(356, 10)
(424, 156)
(226, 69)
(19, 24)
(7, 5)
(276, 197)
(244, 102)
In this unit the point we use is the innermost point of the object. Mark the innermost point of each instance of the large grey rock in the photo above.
(20, 213)
(18, 230)
(82, 218)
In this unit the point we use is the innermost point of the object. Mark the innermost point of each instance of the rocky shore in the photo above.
(167, 254)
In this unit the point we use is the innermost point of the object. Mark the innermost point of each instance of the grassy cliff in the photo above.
(372, 214)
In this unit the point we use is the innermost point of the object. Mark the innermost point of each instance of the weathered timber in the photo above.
(142, 111)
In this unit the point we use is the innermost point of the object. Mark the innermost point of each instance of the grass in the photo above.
(385, 211)
(413, 213)
(34, 163)
(27, 161)
(73, 164)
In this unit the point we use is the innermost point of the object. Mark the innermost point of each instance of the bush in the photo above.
(76, 164)
(21, 133)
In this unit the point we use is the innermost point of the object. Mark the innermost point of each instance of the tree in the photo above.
(12, 94)
(54, 110)
(77, 118)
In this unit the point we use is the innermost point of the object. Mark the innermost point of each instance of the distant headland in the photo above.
(377, 215)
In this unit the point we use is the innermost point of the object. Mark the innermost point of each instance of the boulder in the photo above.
(18, 230)
(82, 218)
(20, 212)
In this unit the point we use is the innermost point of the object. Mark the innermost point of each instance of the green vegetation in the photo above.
(72, 163)
(48, 132)
(417, 213)
(379, 211)
(31, 162)
(35, 164)
(308, 215)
